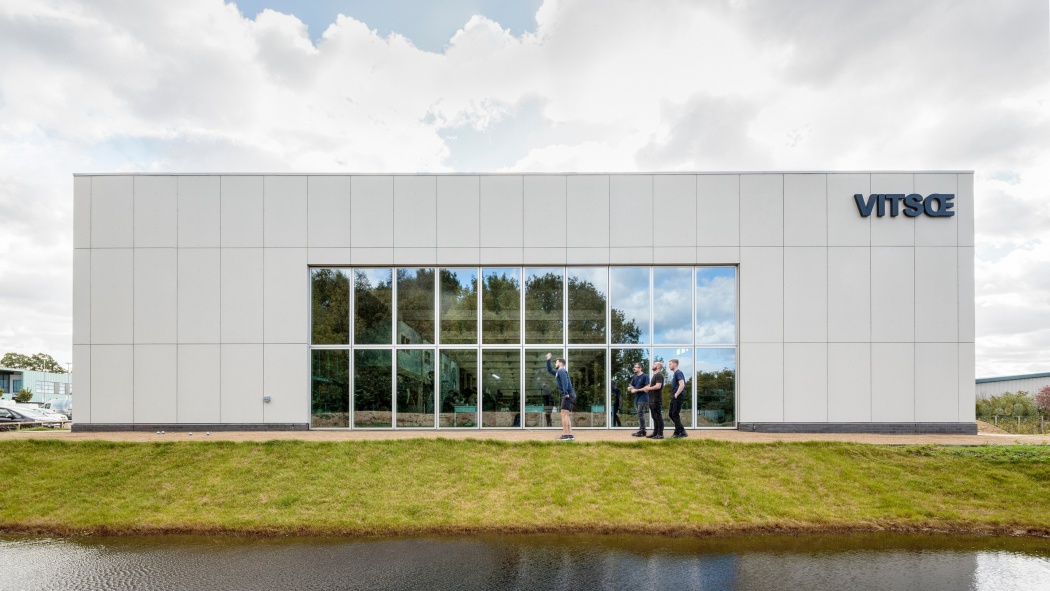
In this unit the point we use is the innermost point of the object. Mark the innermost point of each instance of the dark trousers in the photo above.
(656, 407)
(616, 415)
(675, 413)
(640, 407)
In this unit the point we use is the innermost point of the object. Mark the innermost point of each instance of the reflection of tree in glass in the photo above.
(330, 392)
(586, 312)
(415, 305)
(372, 312)
(715, 391)
(543, 308)
(500, 321)
(331, 307)
(459, 308)
(372, 380)
(587, 373)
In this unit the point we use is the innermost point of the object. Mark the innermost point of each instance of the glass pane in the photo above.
(629, 298)
(459, 388)
(672, 305)
(625, 413)
(501, 306)
(372, 396)
(415, 388)
(543, 306)
(372, 306)
(415, 306)
(685, 364)
(500, 381)
(330, 388)
(716, 305)
(587, 372)
(541, 393)
(330, 315)
(588, 291)
(715, 387)
(459, 306)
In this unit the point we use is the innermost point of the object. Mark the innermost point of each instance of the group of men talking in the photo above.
(647, 394)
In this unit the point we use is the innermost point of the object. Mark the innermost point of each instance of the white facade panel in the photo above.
(849, 382)
(112, 383)
(717, 255)
(805, 210)
(806, 294)
(806, 382)
(674, 201)
(285, 211)
(674, 255)
(82, 382)
(892, 382)
(112, 296)
(849, 294)
(112, 221)
(156, 295)
(284, 370)
(198, 211)
(241, 215)
(964, 208)
(630, 208)
(372, 212)
(544, 220)
(941, 231)
(718, 210)
(502, 208)
(936, 382)
(936, 290)
(286, 296)
(458, 211)
(82, 296)
(414, 257)
(415, 209)
(846, 227)
(198, 293)
(241, 381)
(967, 385)
(760, 379)
(888, 230)
(328, 211)
(587, 211)
(761, 295)
(155, 395)
(967, 295)
(761, 210)
(82, 212)
(199, 387)
(241, 295)
(155, 211)
(893, 294)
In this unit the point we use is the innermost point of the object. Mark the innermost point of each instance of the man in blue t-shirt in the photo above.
(677, 399)
(568, 395)
(641, 397)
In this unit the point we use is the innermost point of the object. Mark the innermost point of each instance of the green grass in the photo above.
(438, 485)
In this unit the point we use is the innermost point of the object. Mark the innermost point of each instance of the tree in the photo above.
(331, 307)
(1015, 404)
(1042, 399)
(37, 362)
(23, 395)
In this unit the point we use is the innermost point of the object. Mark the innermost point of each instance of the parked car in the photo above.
(9, 416)
(39, 416)
(61, 405)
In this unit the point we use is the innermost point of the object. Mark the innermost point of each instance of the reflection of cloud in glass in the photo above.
(714, 360)
(684, 355)
(535, 273)
(672, 305)
(375, 276)
(716, 305)
(508, 273)
(629, 293)
(596, 276)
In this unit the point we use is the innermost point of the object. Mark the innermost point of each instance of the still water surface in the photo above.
(854, 562)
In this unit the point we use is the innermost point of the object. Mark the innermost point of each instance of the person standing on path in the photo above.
(568, 395)
(616, 398)
(641, 397)
(656, 400)
(677, 399)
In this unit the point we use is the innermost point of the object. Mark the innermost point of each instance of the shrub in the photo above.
(1015, 404)
(1042, 399)
(23, 395)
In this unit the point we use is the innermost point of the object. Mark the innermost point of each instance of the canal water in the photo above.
(571, 562)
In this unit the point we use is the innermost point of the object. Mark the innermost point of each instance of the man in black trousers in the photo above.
(677, 399)
(656, 400)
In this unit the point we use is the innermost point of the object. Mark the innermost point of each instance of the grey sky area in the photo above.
(487, 85)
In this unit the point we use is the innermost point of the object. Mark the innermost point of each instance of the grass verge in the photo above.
(418, 486)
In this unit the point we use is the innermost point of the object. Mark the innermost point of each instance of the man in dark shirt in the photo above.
(568, 395)
(641, 397)
(677, 398)
(656, 400)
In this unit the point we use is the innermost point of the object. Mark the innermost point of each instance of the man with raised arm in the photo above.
(568, 395)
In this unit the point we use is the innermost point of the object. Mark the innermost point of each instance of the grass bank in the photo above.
(457, 486)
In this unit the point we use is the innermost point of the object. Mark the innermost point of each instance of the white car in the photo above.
(39, 415)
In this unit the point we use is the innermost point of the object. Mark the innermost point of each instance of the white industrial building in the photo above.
(801, 301)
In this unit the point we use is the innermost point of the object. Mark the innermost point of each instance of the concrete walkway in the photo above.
(582, 435)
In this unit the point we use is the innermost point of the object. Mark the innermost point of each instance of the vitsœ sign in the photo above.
(935, 205)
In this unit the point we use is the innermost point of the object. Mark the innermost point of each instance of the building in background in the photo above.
(44, 385)
(809, 301)
(1031, 383)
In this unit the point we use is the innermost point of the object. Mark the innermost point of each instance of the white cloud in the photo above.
(614, 85)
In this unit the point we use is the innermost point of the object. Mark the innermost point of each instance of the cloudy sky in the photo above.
(557, 85)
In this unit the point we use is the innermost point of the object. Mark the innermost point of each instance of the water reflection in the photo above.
(528, 562)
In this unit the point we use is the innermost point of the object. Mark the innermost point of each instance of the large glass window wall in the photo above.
(465, 347)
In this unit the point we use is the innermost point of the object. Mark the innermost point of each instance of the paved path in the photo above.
(533, 435)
